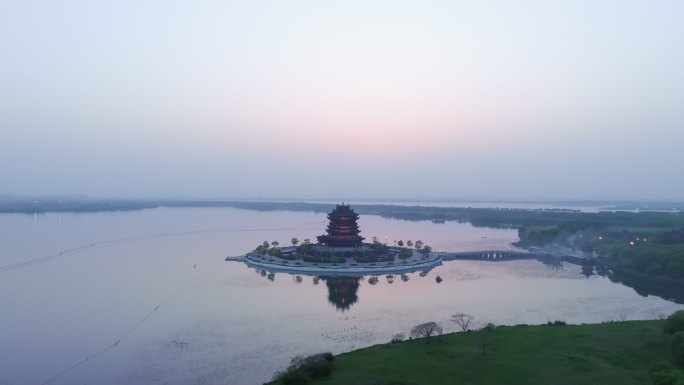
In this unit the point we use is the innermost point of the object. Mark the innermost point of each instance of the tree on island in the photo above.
(275, 243)
(426, 330)
(418, 244)
(307, 241)
(463, 320)
(294, 241)
(426, 250)
(400, 243)
(404, 254)
(409, 243)
(265, 245)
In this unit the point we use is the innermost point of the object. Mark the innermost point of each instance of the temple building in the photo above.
(343, 231)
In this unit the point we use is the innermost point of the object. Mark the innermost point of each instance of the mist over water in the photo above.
(151, 300)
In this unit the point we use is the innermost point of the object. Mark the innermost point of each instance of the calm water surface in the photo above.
(145, 297)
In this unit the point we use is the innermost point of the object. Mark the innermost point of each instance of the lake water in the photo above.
(145, 297)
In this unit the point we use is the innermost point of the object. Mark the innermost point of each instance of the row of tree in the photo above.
(464, 322)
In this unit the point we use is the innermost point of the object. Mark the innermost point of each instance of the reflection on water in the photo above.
(342, 291)
(670, 290)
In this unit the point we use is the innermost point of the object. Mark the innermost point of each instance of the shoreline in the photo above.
(608, 353)
(345, 269)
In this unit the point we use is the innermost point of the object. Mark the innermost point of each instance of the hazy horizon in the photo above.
(394, 100)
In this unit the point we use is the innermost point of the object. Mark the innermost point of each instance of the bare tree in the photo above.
(426, 330)
(485, 332)
(463, 320)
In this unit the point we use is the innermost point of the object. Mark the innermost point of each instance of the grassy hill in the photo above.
(614, 353)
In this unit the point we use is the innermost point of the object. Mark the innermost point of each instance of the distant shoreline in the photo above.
(480, 217)
(27, 205)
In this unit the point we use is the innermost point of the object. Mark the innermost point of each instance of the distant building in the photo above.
(342, 231)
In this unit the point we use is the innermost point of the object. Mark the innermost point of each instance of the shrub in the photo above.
(676, 344)
(316, 365)
(674, 323)
(291, 377)
(404, 254)
(662, 373)
(303, 369)
(397, 338)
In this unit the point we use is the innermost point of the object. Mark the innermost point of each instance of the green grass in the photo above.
(616, 353)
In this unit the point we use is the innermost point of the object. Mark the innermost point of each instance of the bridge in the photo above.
(487, 255)
(503, 255)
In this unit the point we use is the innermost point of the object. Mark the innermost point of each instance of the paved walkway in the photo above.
(416, 262)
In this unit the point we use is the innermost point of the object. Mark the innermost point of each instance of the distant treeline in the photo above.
(483, 217)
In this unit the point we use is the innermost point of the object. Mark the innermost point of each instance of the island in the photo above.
(341, 252)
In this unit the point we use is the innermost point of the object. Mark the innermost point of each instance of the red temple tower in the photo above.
(343, 231)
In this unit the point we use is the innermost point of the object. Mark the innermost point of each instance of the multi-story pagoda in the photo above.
(343, 231)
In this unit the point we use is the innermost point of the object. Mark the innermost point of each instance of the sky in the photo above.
(510, 100)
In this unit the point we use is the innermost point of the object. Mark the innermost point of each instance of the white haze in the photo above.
(356, 99)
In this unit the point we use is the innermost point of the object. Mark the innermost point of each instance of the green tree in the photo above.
(663, 373)
(485, 333)
(674, 323)
(676, 344)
